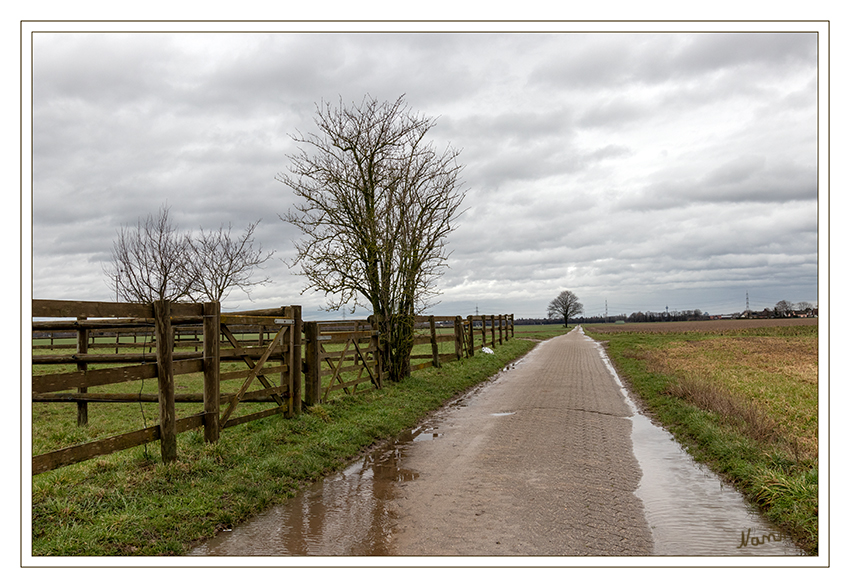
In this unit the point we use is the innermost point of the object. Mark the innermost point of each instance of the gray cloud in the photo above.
(632, 167)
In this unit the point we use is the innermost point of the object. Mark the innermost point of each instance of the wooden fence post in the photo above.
(471, 337)
(82, 347)
(512, 325)
(501, 318)
(165, 378)
(287, 378)
(212, 379)
(295, 366)
(493, 330)
(458, 337)
(435, 351)
(312, 377)
(376, 344)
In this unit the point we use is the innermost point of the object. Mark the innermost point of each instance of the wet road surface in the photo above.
(540, 464)
(549, 458)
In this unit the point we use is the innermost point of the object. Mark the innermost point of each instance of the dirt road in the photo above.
(540, 464)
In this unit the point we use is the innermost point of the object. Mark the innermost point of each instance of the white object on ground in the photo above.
(487, 350)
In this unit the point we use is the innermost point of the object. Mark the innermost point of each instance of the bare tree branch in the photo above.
(221, 262)
(151, 261)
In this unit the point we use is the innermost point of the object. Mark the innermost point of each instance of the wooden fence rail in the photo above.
(332, 356)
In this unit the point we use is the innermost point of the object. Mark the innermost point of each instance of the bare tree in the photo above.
(221, 262)
(566, 306)
(151, 261)
(376, 205)
(783, 308)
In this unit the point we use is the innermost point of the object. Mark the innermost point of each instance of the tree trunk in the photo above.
(398, 345)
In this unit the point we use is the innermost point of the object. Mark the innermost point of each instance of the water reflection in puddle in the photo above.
(689, 509)
(345, 514)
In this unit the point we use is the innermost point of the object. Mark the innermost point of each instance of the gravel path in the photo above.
(539, 462)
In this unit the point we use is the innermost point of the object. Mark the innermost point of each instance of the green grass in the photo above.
(54, 424)
(541, 332)
(744, 403)
(129, 503)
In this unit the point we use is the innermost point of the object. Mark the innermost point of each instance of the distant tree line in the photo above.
(635, 317)
(668, 316)
(786, 309)
(576, 320)
(783, 309)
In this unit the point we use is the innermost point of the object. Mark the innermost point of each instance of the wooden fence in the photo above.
(277, 350)
(461, 334)
(164, 340)
(163, 365)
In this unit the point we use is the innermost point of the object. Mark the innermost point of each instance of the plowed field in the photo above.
(716, 325)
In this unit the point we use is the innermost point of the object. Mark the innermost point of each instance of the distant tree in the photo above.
(783, 308)
(565, 306)
(151, 261)
(221, 262)
(376, 204)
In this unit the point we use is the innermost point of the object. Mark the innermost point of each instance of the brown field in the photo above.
(716, 325)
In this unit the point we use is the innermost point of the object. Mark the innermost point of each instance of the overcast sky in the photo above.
(648, 170)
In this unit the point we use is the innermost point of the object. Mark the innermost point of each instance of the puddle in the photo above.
(690, 510)
(502, 413)
(345, 514)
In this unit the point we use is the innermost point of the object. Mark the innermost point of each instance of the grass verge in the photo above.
(541, 332)
(129, 503)
(743, 403)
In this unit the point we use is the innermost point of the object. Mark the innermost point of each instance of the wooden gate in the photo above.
(281, 354)
(335, 351)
